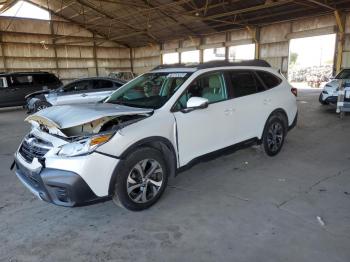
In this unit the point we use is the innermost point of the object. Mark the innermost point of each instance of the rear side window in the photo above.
(77, 86)
(45, 79)
(269, 79)
(243, 83)
(21, 80)
(102, 84)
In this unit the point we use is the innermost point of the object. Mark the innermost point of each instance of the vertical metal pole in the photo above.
(340, 19)
(131, 60)
(201, 51)
(95, 55)
(227, 48)
(52, 31)
(2, 53)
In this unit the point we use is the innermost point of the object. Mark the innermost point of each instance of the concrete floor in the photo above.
(240, 207)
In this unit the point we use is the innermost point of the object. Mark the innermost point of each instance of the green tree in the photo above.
(293, 58)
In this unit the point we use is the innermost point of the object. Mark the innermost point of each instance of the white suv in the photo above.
(127, 147)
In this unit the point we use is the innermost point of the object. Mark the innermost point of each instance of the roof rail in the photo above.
(220, 63)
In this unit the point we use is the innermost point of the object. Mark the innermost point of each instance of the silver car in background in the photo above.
(82, 91)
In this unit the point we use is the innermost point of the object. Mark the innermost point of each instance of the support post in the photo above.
(95, 55)
(201, 51)
(255, 33)
(340, 19)
(52, 32)
(179, 53)
(2, 53)
(227, 49)
(132, 60)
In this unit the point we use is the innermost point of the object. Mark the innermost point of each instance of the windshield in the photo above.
(151, 90)
(345, 74)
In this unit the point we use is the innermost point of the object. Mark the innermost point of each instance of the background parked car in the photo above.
(82, 91)
(122, 75)
(15, 86)
(329, 94)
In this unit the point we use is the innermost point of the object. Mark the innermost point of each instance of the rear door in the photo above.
(20, 85)
(7, 95)
(249, 104)
(73, 93)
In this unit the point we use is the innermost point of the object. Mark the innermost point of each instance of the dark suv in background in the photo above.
(15, 86)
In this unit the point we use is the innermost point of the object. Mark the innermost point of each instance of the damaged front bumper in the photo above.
(64, 181)
(56, 186)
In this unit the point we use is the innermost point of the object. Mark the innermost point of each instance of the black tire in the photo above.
(274, 134)
(321, 101)
(40, 105)
(121, 196)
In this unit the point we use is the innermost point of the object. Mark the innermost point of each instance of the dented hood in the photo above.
(67, 116)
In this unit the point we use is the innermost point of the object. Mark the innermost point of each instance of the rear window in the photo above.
(243, 83)
(269, 79)
(45, 79)
(345, 74)
(102, 84)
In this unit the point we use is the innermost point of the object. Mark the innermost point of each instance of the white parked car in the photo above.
(127, 147)
(329, 94)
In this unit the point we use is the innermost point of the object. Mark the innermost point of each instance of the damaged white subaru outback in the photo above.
(127, 147)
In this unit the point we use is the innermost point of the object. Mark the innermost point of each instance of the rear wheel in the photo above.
(141, 180)
(274, 135)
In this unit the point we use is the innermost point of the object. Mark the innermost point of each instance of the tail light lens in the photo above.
(294, 91)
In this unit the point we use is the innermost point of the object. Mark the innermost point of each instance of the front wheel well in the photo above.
(282, 115)
(158, 143)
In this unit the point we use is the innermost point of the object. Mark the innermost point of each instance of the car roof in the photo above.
(212, 64)
(25, 73)
(98, 78)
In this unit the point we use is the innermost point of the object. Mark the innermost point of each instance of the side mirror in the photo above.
(196, 103)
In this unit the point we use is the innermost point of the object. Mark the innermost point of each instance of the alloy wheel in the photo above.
(275, 136)
(144, 181)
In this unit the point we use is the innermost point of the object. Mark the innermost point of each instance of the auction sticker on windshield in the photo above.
(176, 75)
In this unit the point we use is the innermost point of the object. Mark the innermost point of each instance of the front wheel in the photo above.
(274, 135)
(141, 180)
(320, 99)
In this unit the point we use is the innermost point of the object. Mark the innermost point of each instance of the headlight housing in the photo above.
(84, 146)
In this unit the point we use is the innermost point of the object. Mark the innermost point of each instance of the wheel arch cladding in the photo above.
(160, 143)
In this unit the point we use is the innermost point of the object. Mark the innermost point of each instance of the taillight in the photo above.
(294, 91)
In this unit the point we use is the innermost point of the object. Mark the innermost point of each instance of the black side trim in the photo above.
(146, 141)
(218, 153)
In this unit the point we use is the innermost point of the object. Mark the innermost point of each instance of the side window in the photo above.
(210, 86)
(45, 79)
(243, 83)
(77, 86)
(3, 82)
(269, 79)
(102, 84)
(21, 80)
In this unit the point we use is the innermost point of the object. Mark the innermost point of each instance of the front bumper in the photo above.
(70, 181)
(60, 187)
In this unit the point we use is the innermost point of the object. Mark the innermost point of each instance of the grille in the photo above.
(34, 147)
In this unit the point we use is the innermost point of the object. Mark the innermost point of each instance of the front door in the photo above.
(74, 93)
(205, 130)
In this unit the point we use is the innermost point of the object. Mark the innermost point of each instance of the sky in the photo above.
(27, 10)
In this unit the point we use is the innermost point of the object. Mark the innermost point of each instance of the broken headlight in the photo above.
(84, 146)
